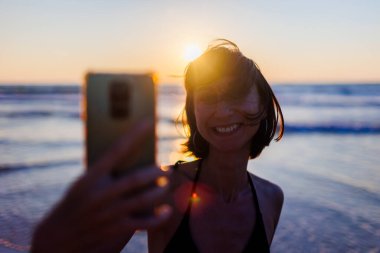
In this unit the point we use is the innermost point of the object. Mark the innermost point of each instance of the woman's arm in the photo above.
(97, 212)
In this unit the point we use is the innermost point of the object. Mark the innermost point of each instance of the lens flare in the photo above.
(195, 198)
(162, 181)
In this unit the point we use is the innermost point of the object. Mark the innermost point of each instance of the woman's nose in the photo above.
(223, 109)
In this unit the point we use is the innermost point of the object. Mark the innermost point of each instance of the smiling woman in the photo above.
(231, 115)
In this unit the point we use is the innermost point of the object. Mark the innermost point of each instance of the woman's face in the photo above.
(221, 117)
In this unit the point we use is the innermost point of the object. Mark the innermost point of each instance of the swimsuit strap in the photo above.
(255, 199)
(258, 240)
(194, 187)
(182, 240)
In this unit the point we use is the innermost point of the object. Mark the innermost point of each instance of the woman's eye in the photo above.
(234, 95)
(232, 98)
(207, 97)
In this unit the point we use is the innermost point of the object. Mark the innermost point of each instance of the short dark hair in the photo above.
(224, 59)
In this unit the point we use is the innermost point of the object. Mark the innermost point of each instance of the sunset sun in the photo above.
(191, 52)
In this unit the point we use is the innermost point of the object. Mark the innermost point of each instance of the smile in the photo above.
(227, 129)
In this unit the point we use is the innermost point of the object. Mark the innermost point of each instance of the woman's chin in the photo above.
(229, 147)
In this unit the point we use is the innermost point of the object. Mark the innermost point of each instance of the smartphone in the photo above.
(112, 104)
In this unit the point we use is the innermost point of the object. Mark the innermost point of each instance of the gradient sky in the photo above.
(292, 41)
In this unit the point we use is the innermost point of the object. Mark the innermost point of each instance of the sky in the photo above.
(293, 41)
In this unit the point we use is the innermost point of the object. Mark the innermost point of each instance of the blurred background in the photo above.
(322, 59)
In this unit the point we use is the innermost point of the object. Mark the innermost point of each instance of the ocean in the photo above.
(328, 163)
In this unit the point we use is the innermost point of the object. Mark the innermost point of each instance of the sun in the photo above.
(192, 51)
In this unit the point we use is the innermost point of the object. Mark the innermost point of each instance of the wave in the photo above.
(321, 100)
(41, 164)
(41, 143)
(334, 129)
(40, 89)
(338, 95)
(329, 89)
(40, 114)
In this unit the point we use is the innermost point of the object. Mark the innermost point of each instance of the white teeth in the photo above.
(228, 129)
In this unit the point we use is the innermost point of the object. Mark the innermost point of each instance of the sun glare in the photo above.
(192, 51)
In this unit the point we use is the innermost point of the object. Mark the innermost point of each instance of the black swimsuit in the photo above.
(182, 241)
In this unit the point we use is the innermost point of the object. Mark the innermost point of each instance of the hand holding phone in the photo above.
(97, 211)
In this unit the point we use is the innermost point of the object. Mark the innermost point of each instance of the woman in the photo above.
(212, 204)
(231, 115)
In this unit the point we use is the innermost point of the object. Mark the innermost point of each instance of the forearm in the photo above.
(49, 239)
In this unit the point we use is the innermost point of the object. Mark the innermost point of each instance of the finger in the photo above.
(161, 216)
(144, 201)
(129, 185)
(139, 204)
(100, 204)
(120, 230)
(123, 148)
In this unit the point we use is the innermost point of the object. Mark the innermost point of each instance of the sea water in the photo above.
(328, 163)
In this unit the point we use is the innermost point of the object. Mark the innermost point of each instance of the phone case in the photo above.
(113, 103)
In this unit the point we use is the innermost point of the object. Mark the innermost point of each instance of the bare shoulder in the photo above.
(271, 199)
(268, 190)
(181, 178)
(181, 173)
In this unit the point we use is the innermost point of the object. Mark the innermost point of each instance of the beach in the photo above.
(327, 163)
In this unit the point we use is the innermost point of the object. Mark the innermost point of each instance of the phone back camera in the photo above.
(120, 95)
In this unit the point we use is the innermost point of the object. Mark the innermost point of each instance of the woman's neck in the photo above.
(226, 173)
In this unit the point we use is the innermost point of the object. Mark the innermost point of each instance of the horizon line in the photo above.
(179, 84)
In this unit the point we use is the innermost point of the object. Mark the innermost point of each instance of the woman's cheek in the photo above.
(202, 110)
(250, 107)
